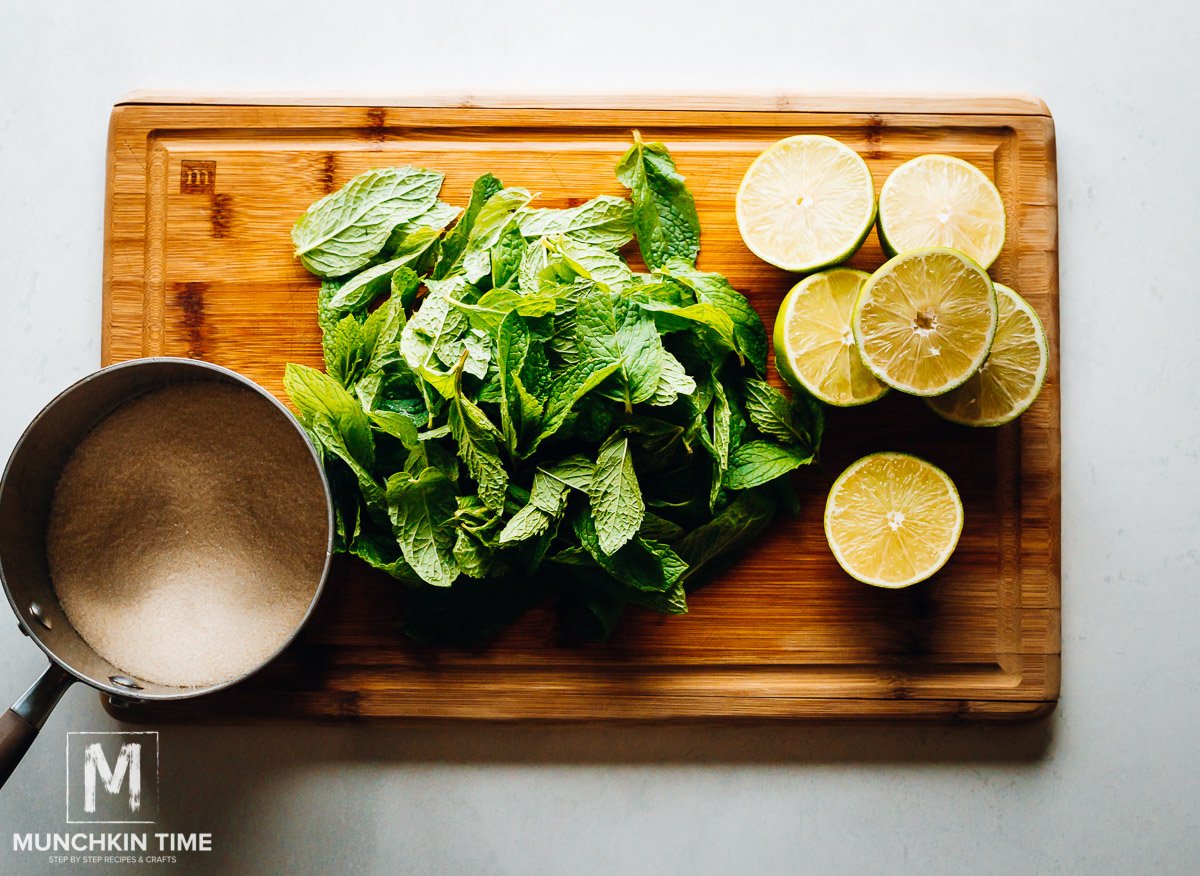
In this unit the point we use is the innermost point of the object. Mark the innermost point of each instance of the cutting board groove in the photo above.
(201, 195)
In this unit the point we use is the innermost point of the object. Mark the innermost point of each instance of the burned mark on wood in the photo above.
(189, 298)
(376, 124)
(874, 136)
(221, 214)
(575, 201)
(328, 173)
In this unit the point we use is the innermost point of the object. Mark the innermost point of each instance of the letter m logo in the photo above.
(197, 177)
(112, 778)
(96, 764)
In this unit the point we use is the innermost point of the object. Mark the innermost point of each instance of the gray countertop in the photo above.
(1109, 784)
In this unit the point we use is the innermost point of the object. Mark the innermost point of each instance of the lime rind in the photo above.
(985, 257)
(777, 199)
(835, 324)
(938, 404)
(925, 573)
(975, 361)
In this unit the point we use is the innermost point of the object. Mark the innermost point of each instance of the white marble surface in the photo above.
(1109, 785)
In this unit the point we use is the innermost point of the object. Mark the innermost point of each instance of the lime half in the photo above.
(925, 320)
(892, 519)
(938, 200)
(815, 348)
(805, 203)
(1010, 378)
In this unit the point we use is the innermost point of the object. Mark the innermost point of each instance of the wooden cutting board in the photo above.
(198, 262)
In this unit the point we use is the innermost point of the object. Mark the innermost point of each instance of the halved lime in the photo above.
(1010, 378)
(815, 348)
(939, 200)
(805, 203)
(924, 322)
(892, 519)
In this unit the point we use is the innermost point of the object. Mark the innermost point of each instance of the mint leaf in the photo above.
(663, 210)
(383, 553)
(527, 523)
(327, 317)
(405, 284)
(733, 529)
(673, 382)
(363, 288)
(335, 440)
(316, 394)
(344, 230)
(520, 410)
(575, 472)
(708, 318)
(422, 510)
(616, 498)
(644, 572)
(456, 241)
(506, 256)
(750, 336)
(475, 547)
(610, 328)
(655, 528)
(593, 263)
(399, 426)
(547, 501)
(494, 305)
(436, 217)
(479, 447)
(349, 346)
(494, 217)
(759, 462)
(771, 413)
(605, 221)
(720, 440)
(534, 260)
(568, 389)
(436, 329)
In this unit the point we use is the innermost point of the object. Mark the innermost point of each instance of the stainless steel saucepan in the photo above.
(26, 493)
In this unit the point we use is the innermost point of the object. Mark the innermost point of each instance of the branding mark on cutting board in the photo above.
(197, 177)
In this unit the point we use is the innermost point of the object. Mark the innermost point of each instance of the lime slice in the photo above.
(1010, 378)
(814, 341)
(805, 203)
(924, 322)
(937, 200)
(892, 520)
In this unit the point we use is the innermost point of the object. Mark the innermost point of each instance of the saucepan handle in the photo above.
(20, 724)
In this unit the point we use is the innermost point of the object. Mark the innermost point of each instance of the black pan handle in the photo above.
(19, 726)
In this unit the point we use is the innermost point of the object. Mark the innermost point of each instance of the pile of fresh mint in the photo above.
(510, 412)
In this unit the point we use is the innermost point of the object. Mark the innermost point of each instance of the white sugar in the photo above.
(187, 534)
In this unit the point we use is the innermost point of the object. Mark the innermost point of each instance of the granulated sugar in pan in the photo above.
(187, 534)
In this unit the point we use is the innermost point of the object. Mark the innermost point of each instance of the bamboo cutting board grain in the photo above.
(201, 197)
